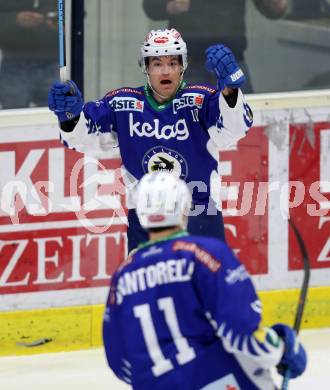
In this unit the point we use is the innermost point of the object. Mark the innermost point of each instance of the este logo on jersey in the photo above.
(178, 130)
(126, 104)
(188, 100)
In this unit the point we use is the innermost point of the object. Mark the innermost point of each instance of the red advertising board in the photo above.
(57, 259)
(247, 231)
(310, 177)
(54, 232)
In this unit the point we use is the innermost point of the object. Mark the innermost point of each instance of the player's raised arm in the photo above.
(221, 61)
(229, 117)
(65, 100)
(85, 128)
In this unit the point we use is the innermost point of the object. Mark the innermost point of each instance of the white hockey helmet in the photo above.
(162, 200)
(163, 43)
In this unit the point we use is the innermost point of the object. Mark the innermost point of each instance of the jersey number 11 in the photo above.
(185, 352)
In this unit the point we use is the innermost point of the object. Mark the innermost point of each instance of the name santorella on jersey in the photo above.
(183, 314)
(184, 135)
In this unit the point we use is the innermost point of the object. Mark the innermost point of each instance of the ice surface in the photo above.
(87, 370)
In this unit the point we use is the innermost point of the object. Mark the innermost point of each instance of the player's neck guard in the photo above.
(149, 92)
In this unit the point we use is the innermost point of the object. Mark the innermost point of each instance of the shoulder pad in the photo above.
(200, 88)
(124, 91)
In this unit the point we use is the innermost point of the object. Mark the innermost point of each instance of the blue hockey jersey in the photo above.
(182, 136)
(183, 315)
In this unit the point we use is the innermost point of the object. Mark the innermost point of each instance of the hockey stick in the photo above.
(62, 45)
(302, 295)
(61, 39)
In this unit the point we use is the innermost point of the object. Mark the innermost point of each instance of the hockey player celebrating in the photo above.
(164, 125)
(183, 312)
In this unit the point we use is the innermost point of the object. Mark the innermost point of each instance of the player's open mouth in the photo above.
(166, 82)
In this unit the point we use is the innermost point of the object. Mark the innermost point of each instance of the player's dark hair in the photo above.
(147, 60)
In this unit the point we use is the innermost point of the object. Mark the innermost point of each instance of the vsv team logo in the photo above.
(161, 158)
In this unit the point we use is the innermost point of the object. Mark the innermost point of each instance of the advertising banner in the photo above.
(63, 214)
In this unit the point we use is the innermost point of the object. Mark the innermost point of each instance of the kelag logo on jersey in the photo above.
(126, 104)
(178, 130)
(188, 100)
(160, 158)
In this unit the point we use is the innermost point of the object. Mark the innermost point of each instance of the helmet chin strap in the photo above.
(158, 94)
(153, 90)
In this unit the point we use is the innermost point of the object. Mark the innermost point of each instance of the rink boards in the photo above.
(62, 222)
(80, 327)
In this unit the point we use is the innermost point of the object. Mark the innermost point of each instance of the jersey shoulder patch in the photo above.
(125, 91)
(200, 88)
(201, 254)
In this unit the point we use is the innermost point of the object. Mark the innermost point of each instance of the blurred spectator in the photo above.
(207, 22)
(28, 40)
